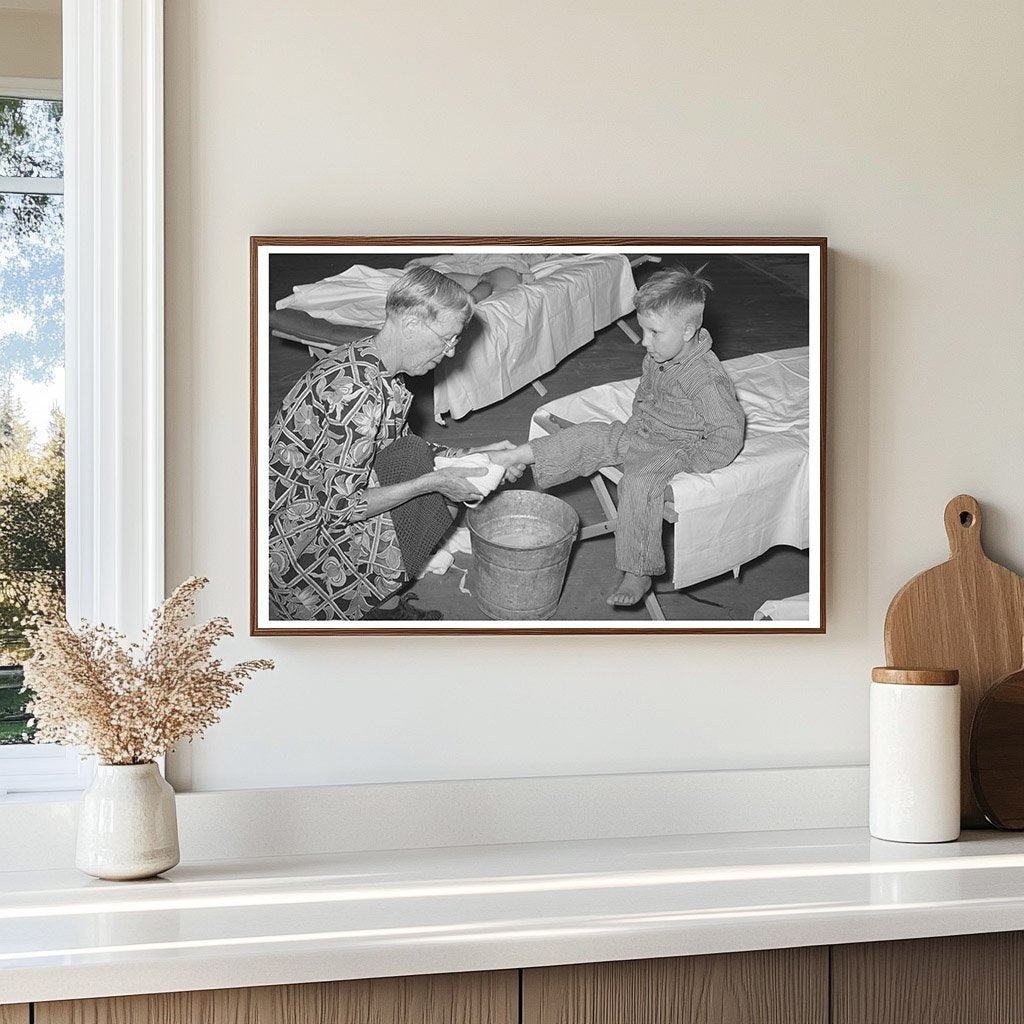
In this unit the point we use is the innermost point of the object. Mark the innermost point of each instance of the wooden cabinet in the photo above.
(962, 979)
(967, 979)
(481, 998)
(777, 986)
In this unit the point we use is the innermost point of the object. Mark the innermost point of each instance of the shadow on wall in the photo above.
(853, 289)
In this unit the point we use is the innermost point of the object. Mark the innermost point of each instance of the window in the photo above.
(31, 379)
(113, 332)
(32, 534)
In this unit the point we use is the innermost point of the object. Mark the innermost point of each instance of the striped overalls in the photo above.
(686, 419)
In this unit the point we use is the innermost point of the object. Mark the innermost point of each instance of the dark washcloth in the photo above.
(422, 522)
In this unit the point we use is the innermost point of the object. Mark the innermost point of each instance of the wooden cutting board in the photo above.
(967, 614)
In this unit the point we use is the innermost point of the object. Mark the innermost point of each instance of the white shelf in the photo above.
(352, 915)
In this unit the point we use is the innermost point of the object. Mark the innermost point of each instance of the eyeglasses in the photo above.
(449, 343)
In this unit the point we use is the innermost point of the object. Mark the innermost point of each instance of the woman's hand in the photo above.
(510, 457)
(497, 452)
(453, 482)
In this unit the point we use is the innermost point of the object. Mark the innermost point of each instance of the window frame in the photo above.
(38, 767)
(32, 89)
(112, 90)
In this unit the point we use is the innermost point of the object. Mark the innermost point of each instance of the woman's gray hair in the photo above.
(427, 293)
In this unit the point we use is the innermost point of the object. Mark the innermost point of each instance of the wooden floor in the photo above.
(754, 308)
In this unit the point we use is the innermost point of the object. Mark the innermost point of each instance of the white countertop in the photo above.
(356, 915)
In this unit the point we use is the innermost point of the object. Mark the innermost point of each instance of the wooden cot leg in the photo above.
(607, 505)
(629, 332)
(735, 572)
(539, 388)
(439, 419)
(597, 530)
(652, 606)
(601, 490)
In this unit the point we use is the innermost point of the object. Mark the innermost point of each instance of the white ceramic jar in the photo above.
(127, 823)
(915, 755)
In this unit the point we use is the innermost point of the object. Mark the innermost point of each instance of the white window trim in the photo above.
(31, 186)
(32, 88)
(113, 168)
(43, 768)
(114, 266)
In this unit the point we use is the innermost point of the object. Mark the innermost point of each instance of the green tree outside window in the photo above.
(32, 542)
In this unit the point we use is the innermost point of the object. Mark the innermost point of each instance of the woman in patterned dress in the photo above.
(334, 553)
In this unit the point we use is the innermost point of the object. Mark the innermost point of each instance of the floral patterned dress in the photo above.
(326, 561)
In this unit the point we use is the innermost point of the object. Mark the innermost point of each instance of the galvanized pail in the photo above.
(521, 542)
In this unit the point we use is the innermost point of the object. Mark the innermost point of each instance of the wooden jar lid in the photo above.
(916, 676)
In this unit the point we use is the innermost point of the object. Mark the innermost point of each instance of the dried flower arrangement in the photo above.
(129, 704)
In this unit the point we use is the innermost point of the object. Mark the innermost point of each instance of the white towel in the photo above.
(484, 483)
(785, 609)
(457, 542)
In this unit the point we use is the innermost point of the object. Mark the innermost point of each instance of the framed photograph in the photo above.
(537, 435)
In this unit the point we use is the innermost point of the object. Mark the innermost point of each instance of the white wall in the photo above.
(895, 129)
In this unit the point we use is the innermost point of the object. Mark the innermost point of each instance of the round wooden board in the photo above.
(997, 752)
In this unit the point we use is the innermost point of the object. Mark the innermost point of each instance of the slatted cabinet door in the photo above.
(14, 1014)
(960, 979)
(778, 986)
(480, 998)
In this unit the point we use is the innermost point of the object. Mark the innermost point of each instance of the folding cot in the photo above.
(722, 520)
(516, 336)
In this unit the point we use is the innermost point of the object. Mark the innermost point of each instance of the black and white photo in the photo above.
(537, 435)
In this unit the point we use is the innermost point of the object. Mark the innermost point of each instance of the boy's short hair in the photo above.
(672, 291)
(427, 293)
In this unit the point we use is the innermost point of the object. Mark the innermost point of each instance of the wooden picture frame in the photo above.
(563, 322)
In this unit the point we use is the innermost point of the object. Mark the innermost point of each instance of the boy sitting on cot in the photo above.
(686, 419)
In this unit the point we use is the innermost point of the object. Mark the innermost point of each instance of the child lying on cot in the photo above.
(685, 419)
(480, 286)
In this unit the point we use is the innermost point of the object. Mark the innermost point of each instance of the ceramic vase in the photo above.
(127, 825)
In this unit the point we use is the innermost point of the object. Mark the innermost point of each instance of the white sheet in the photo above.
(730, 516)
(785, 609)
(527, 330)
(355, 296)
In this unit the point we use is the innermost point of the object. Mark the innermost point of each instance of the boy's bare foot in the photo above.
(631, 590)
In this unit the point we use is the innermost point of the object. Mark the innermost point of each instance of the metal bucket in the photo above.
(521, 542)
